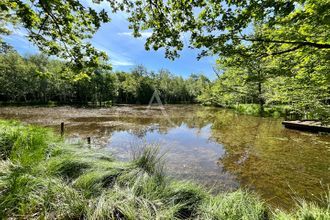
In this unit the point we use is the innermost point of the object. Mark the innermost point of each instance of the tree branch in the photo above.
(281, 52)
(58, 28)
(216, 72)
(302, 43)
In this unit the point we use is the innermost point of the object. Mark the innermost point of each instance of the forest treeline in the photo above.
(257, 87)
(38, 79)
(270, 54)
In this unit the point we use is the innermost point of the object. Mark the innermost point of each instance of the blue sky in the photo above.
(125, 51)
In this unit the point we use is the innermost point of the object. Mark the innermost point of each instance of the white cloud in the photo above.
(121, 63)
(97, 5)
(19, 32)
(116, 59)
(125, 34)
(130, 34)
(105, 4)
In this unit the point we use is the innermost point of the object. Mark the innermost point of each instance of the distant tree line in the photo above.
(39, 79)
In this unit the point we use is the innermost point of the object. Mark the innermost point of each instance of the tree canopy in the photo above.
(216, 27)
(228, 26)
(60, 28)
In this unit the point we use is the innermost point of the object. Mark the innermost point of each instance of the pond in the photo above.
(216, 147)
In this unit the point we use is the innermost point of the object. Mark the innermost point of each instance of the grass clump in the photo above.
(93, 183)
(235, 205)
(68, 167)
(42, 178)
(307, 210)
(33, 196)
(27, 145)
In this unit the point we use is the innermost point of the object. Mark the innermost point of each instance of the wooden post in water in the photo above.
(62, 129)
(88, 140)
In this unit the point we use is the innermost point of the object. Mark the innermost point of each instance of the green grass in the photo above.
(43, 178)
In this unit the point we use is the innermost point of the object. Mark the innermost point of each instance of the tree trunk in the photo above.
(261, 100)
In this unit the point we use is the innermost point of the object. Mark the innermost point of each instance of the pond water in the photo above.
(215, 147)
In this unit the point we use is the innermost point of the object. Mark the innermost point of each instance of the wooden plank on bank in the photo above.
(312, 126)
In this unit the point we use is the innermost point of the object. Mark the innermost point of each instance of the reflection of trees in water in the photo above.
(261, 154)
(142, 132)
(270, 159)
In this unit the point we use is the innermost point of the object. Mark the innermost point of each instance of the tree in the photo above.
(164, 79)
(42, 80)
(196, 84)
(62, 28)
(14, 77)
(300, 81)
(223, 27)
(59, 28)
(306, 88)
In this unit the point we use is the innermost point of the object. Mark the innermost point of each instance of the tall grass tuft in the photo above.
(188, 196)
(27, 145)
(317, 210)
(33, 196)
(235, 205)
(43, 178)
(68, 167)
(149, 159)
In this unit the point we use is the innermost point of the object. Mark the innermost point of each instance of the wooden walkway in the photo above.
(312, 126)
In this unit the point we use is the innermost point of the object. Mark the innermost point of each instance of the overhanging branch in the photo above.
(302, 43)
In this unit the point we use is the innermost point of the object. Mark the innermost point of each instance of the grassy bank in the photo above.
(41, 177)
(286, 111)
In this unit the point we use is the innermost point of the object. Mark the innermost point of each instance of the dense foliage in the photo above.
(43, 178)
(60, 28)
(270, 53)
(303, 91)
(225, 26)
(284, 64)
(217, 27)
(38, 79)
(299, 82)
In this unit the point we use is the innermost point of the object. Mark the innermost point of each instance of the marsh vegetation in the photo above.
(218, 148)
(41, 177)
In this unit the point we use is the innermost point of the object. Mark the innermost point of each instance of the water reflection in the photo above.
(214, 146)
(190, 152)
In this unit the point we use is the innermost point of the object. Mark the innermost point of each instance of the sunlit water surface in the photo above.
(215, 147)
